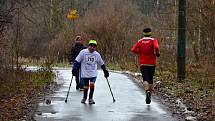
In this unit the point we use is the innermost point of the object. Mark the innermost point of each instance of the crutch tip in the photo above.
(65, 101)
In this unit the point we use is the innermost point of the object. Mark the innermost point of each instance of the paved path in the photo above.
(129, 106)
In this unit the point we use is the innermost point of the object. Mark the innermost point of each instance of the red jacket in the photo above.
(147, 48)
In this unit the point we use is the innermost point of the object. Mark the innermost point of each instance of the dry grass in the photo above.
(197, 90)
(19, 91)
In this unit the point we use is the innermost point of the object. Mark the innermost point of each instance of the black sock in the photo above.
(85, 93)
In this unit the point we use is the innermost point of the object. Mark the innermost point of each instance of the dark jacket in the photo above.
(75, 51)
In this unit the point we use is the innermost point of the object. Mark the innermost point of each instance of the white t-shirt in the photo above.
(89, 63)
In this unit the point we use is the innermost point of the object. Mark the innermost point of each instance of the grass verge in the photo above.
(20, 90)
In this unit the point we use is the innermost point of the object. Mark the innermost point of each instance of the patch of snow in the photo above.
(137, 74)
(183, 108)
(190, 118)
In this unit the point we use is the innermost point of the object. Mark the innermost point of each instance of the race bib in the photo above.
(90, 62)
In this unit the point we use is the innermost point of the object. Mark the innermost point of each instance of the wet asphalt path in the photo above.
(129, 106)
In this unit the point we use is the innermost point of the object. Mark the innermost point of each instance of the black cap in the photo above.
(147, 32)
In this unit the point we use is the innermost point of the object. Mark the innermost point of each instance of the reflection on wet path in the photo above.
(129, 106)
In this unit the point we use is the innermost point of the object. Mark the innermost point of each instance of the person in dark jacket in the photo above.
(76, 48)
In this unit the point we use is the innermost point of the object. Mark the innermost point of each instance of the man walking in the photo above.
(87, 60)
(78, 46)
(148, 49)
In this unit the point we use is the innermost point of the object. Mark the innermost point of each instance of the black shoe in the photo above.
(91, 101)
(83, 100)
(77, 87)
(148, 97)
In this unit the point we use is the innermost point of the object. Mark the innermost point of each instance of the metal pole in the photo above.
(73, 21)
(110, 90)
(68, 90)
(181, 40)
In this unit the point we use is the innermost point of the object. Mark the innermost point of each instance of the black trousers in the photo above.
(147, 73)
(77, 80)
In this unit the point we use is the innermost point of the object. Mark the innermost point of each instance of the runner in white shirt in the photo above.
(88, 59)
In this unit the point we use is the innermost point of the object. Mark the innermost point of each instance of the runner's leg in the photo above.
(144, 73)
(86, 87)
(92, 87)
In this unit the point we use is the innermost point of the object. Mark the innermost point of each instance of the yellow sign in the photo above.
(73, 14)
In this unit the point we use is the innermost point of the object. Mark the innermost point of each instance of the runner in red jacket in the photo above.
(148, 49)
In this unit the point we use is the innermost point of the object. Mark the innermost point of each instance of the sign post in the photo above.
(181, 43)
